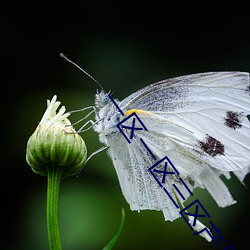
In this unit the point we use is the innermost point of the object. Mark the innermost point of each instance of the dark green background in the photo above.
(125, 46)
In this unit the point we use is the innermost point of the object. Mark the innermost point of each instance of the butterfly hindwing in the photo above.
(138, 186)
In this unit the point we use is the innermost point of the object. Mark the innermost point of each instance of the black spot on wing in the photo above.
(248, 117)
(233, 119)
(212, 146)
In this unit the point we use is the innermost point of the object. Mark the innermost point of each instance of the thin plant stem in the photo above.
(117, 234)
(54, 177)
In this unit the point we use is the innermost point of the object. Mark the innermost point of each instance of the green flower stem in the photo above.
(55, 150)
(54, 178)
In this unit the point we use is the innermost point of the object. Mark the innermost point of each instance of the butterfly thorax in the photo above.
(107, 116)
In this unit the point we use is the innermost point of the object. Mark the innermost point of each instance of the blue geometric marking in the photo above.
(170, 197)
(116, 105)
(119, 125)
(164, 172)
(152, 170)
(204, 229)
(132, 128)
(186, 186)
(145, 145)
(176, 188)
(229, 248)
(195, 215)
(210, 233)
(217, 231)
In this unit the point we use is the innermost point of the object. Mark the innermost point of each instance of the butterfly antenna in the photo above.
(86, 73)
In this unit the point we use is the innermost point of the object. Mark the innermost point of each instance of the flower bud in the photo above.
(55, 144)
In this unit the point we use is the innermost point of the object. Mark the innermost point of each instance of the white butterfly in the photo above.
(198, 121)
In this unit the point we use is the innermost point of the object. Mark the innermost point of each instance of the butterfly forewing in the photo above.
(211, 107)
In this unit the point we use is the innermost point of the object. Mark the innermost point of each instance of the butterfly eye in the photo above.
(105, 100)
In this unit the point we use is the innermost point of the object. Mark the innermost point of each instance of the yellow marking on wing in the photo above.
(137, 111)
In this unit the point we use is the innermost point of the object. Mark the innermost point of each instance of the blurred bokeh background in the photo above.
(125, 46)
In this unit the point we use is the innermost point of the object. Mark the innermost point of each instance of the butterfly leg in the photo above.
(91, 155)
(86, 116)
(81, 129)
(96, 152)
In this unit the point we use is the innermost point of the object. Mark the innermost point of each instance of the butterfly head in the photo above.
(107, 116)
(101, 99)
